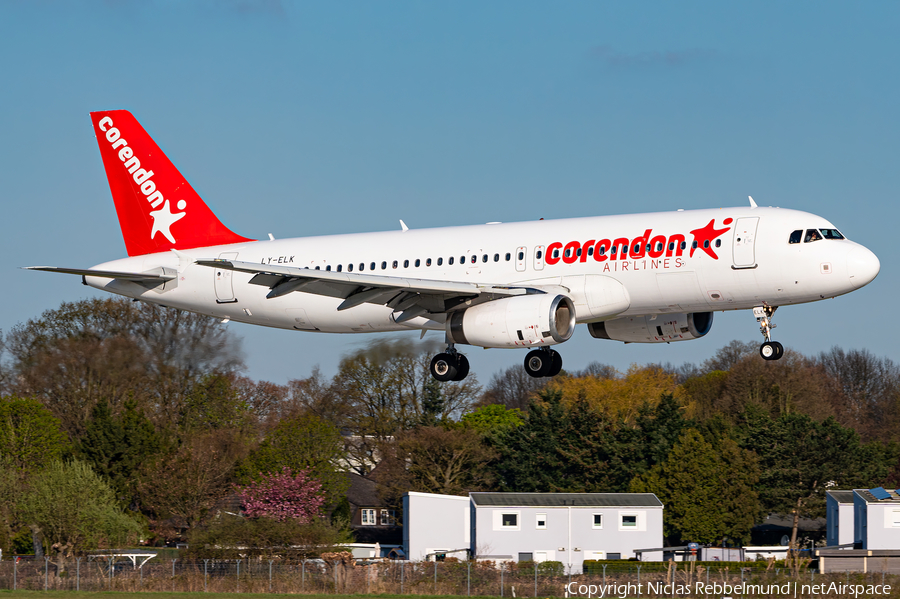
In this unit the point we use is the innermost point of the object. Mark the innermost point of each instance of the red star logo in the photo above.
(705, 236)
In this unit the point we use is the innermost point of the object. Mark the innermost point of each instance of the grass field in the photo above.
(6, 594)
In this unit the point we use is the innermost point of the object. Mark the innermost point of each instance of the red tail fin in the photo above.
(158, 209)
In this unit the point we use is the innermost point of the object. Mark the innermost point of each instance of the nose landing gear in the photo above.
(769, 350)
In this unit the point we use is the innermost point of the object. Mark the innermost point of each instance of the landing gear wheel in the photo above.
(443, 367)
(556, 364)
(538, 363)
(771, 350)
(462, 367)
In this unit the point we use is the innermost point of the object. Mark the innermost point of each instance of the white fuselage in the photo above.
(755, 265)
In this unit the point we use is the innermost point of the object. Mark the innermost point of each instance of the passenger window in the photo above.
(450, 261)
(462, 259)
(394, 264)
(508, 256)
(568, 252)
(417, 263)
(718, 243)
(340, 267)
(706, 243)
(683, 244)
(317, 268)
(671, 245)
(539, 254)
(694, 245)
(556, 253)
(428, 262)
(328, 268)
(383, 265)
(362, 266)
(614, 250)
(484, 258)
(637, 248)
(406, 264)
(591, 251)
(578, 252)
(831, 234)
(811, 235)
(372, 266)
(349, 268)
(440, 261)
(474, 258)
(796, 236)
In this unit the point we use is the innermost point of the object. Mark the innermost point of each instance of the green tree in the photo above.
(493, 419)
(75, 509)
(529, 458)
(116, 447)
(708, 489)
(30, 436)
(302, 442)
(801, 458)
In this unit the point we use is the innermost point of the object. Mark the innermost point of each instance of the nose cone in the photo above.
(862, 266)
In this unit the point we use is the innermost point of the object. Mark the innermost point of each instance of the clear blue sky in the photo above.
(301, 118)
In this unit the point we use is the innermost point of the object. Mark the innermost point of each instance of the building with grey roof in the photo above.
(876, 518)
(563, 527)
(839, 518)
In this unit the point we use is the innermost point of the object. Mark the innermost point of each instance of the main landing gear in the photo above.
(543, 362)
(769, 350)
(453, 366)
(449, 366)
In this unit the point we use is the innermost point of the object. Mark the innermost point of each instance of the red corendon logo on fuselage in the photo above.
(647, 245)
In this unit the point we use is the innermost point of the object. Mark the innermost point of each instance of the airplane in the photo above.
(635, 278)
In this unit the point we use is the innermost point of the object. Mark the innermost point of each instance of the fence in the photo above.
(434, 578)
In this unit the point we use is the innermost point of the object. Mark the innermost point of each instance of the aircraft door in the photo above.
(539, 257)
(520, 259)
(744, 242)
(224, 288)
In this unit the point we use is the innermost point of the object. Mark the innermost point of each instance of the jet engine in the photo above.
(661, 328)
(522, 321)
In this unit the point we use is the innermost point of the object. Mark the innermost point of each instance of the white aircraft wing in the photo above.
(413, 297)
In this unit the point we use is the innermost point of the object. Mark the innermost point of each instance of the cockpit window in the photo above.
(796, 236)
(812, 235)
(831, 234)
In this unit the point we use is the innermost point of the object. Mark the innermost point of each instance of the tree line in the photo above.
(124, 422)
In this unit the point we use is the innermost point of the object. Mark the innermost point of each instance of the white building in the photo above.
(839, 518)
(876, 518)
(436, 524)
(563, 527)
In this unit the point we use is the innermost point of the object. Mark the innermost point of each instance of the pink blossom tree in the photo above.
(282, 496)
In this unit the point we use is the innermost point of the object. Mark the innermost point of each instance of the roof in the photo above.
(841, 496)
(878, 495)
(567, 499)
(363, 492)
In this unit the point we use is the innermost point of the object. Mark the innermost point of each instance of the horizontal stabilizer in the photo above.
(136, 277)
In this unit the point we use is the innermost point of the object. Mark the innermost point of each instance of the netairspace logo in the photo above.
(725, 590)
(163, 218)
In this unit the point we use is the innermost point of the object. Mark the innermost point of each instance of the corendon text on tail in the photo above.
(644, 278)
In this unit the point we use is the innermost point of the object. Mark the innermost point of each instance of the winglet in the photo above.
(752, 203)
(403, 225)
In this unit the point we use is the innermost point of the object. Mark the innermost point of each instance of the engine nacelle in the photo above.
(664, 328)
(522, 321)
